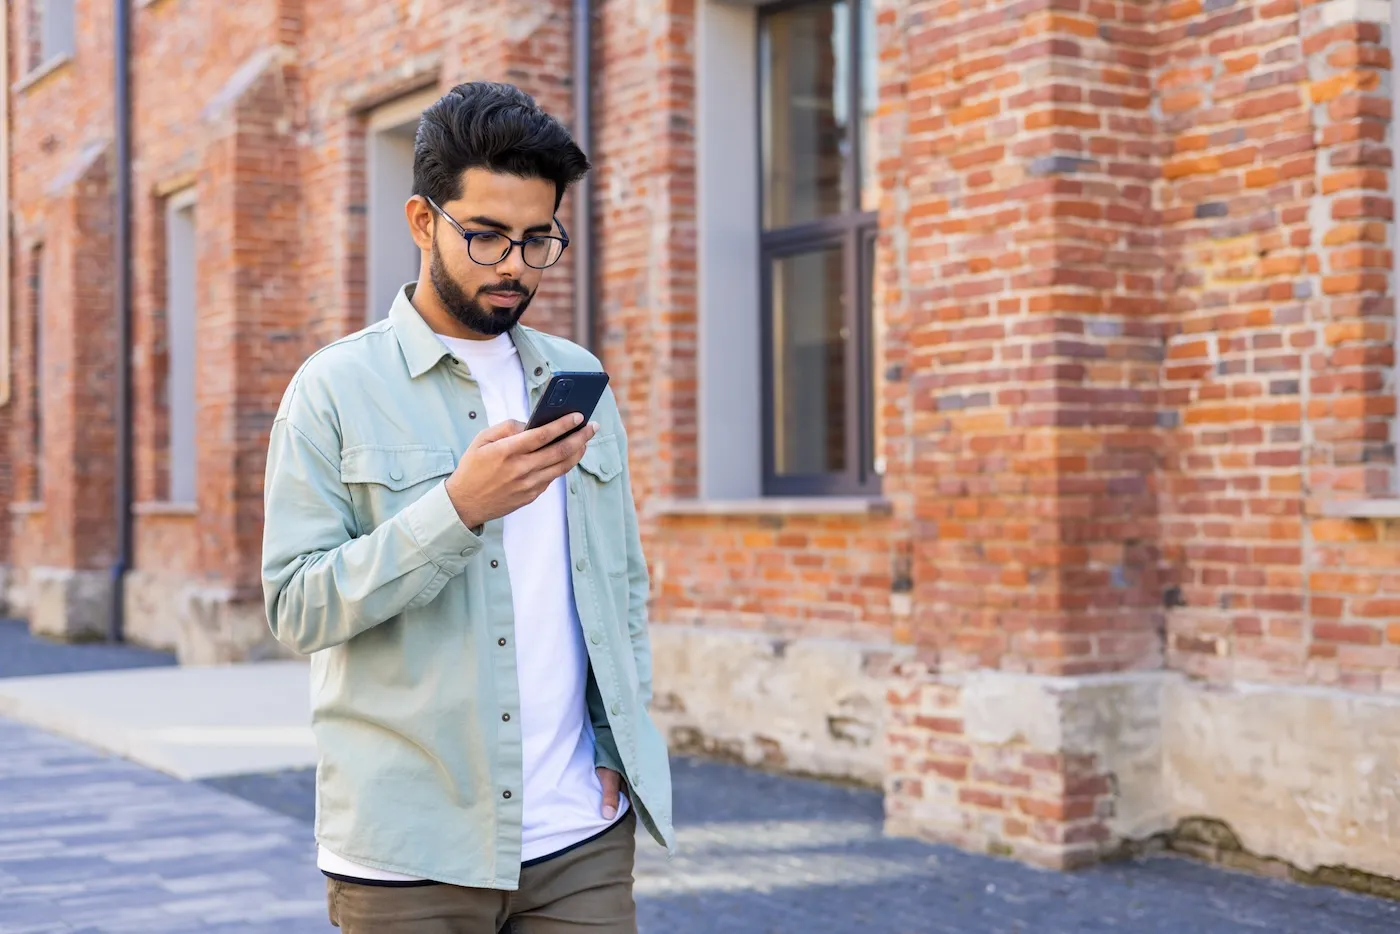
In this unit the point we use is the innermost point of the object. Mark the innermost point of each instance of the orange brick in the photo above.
(1331, 88)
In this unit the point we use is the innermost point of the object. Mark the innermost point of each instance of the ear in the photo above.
(421, 221)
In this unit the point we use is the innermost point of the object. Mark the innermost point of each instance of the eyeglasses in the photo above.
(489, 247)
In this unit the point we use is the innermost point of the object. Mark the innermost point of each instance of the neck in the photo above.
(425, 301)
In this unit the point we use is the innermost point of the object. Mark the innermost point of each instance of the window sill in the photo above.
(774, 506)
(40, 73)
(160, 508)
(1387, 508)
(26, 509)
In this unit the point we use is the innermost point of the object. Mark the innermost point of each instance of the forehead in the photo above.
(519, 202)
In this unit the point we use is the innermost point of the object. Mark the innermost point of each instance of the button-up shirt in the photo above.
(407, 617)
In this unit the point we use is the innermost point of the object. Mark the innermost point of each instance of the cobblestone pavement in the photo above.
(764, 854)
(22, 654)
(90, 843)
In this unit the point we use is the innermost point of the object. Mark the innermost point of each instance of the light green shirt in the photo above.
(407, 614)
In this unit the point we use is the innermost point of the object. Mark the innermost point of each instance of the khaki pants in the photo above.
(586, 889)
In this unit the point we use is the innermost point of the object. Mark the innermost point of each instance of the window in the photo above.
(36, 373)
(181, 322)
(51, 31)
(817, 98)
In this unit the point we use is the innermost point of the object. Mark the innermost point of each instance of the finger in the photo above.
(552, 463)
(543, 436)
(562, 456)
(498, 432)
(612, 783)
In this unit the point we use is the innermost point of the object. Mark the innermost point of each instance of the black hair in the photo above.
(496, 126)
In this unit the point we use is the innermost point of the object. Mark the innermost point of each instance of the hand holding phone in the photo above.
(509, 464)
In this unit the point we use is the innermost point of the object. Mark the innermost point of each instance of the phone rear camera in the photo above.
(561, 392)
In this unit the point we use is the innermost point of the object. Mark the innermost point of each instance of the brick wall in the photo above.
(1142, 270)
(1281, 343)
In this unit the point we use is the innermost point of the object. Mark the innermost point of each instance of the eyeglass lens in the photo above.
(488, 249)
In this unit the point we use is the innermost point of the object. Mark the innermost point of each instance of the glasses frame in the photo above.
(469, 235)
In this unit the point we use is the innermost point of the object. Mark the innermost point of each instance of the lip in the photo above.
(503, 299)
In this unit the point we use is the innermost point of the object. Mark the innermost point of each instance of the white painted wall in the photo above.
(392, 257)
(182, 328)
(730, 370)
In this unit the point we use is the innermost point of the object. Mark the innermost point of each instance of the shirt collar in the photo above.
(422, 350)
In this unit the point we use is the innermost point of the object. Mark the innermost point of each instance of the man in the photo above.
(472, 596)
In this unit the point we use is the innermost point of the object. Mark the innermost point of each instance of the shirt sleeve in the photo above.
(322, 584)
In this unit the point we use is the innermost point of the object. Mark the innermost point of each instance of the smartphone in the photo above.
(565, 394)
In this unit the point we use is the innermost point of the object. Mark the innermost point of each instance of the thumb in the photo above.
(612, 782)
(497, 432)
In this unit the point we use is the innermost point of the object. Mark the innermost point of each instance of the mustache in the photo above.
(503, 288)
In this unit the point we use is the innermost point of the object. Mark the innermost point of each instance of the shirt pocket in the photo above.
(600, 467)
(383, 479)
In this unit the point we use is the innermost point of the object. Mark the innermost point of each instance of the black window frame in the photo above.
(854, 232)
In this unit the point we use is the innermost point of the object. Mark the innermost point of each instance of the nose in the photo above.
(512, 265)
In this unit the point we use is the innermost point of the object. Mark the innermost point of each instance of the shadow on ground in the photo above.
(22, 655)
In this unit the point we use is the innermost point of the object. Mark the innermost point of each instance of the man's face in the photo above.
(490, 299)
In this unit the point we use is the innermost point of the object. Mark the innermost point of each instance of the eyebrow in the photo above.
(482, 221)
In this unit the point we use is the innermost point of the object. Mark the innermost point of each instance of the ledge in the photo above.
(160, 508)
(773, 506)
(40, 73)
(26, 509)
(1387, 508)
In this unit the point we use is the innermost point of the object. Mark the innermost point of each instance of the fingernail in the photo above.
(577, 418)
(609, 812)
(593, 425)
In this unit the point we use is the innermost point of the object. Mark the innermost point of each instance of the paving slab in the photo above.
(189, 722)
(92, 843)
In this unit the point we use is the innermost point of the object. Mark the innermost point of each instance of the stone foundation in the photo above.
(63, 604)
(202, 625)
(806, 706)
(1053, 771)
(1063, 771)
(1310, 776)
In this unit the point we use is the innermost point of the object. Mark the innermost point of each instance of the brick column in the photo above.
(645, 199)
(1029, 309)
(250, 306)
(67, 563)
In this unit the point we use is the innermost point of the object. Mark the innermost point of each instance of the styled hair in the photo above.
(495, 126)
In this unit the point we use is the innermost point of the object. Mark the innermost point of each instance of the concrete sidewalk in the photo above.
(191, 723)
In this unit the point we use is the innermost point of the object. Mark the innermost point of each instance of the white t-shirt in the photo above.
(563, 800)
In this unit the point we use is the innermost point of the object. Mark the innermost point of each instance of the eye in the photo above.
(488, 240)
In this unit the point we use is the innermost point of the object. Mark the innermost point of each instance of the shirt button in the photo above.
(471, 415)
(466, 552)
(505, 717)
(573, 486)
(505, 794)
(539, 370)
(595, 637)
(396, 474)
(501, 642)
(495, 563)
(581, 564)
(617, 709)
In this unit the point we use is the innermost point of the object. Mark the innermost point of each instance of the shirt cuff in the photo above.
(605, 750)
(433, 522)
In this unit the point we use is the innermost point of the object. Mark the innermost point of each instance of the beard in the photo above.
(479, 317)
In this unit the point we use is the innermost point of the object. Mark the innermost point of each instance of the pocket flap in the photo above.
(397, 468)
(601, 458)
